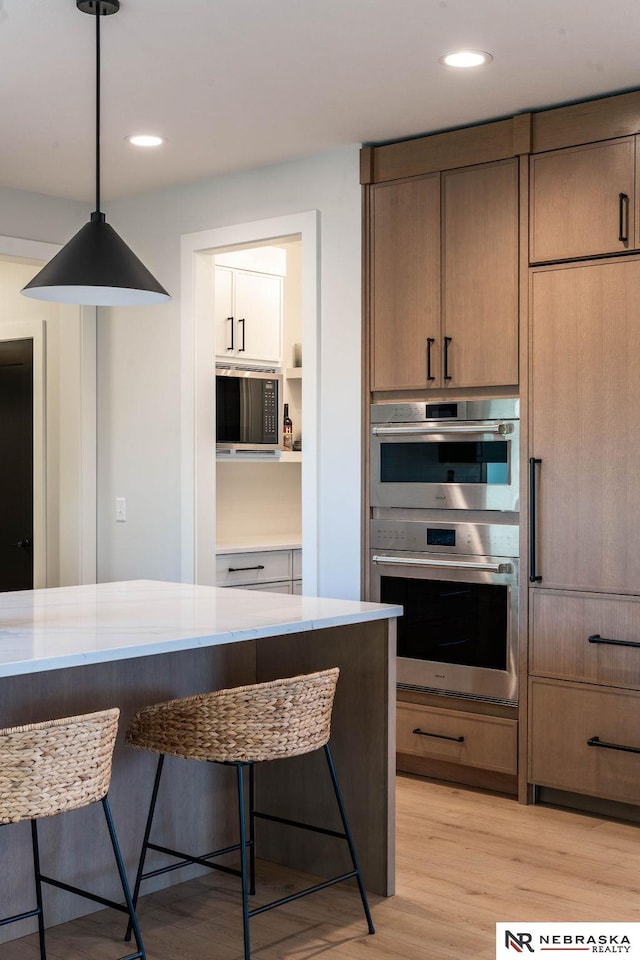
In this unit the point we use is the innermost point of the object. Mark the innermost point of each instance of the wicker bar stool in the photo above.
(53, 767)
(240, 727)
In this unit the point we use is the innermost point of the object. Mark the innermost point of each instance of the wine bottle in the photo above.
(287, 429)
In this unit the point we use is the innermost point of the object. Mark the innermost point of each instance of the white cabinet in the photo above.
(248, 316)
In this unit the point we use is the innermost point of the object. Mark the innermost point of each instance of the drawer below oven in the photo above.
(490, 743)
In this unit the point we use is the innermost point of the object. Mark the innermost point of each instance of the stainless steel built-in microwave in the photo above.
(453, 455)
(248, 410)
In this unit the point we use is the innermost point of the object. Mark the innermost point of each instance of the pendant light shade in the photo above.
(96, 267)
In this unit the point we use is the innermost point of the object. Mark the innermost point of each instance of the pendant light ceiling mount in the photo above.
(96, 267)
(104, 7)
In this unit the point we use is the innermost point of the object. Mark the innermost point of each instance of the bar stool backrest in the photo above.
(259, 721)
(48, 768)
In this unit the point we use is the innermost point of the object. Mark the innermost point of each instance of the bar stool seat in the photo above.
(50, 768)
(243, 726)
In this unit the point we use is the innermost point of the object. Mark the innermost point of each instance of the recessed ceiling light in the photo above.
(145, 140)
(465, 58)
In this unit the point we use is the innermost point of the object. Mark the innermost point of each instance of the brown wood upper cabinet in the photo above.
(444, 279)
(583, 201)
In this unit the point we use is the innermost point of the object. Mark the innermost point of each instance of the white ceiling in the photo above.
(235, 84)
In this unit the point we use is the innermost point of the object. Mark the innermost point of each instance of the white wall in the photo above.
(256, 500)
(34, 216)
(139, 390)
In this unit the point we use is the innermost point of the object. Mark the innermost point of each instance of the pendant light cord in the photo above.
(97, 210)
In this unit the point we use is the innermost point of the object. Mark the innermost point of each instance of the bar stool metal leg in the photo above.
(145, 839)
(36, 871)
(352, 849)
(133, 920)
(252, 830)
(243, 860)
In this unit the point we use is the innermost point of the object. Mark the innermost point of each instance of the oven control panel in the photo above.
(501, 408)
(469, 539)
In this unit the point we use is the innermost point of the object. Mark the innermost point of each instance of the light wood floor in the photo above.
(466, 859)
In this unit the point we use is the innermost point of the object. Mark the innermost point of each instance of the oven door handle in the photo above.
(444, 564)
(499, 429)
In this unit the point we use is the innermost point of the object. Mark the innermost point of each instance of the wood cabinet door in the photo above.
(564, 721)
(585, 424)
(582, 201)
(480, 275)
(405, 283)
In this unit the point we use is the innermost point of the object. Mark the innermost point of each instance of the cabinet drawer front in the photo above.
(282, 586)
(562, 626)
(488, 742)
(297, 564)
(238, 568)
(564, 717)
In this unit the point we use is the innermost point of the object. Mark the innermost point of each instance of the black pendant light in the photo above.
(96, 267)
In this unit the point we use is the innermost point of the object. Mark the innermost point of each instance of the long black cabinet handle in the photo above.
(438, 736)
(430, 342)
(238, 569)
(596, 638)
(231, 321)
(623, 214)
(241, 349)
(533, 576)
(446, 375)
(597, 742)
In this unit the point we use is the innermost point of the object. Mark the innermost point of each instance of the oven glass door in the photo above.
(459, 629)
(445, 622)
(450, 469)
(458, 461)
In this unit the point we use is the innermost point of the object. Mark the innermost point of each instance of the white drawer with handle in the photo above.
(236, 569)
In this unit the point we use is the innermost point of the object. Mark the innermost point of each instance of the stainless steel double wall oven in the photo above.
(444, 541)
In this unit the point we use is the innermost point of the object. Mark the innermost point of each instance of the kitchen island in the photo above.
(72, 650)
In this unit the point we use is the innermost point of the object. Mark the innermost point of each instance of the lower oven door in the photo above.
(459, 630)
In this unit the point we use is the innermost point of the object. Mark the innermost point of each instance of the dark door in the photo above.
(16, 464)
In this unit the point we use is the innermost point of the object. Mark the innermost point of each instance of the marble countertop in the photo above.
(62, 627)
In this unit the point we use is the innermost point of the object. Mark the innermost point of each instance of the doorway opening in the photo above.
(16, 477)
(63, 547)
(265, 501)
(257, 294)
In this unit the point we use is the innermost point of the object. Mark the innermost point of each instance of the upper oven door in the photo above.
(453, 466)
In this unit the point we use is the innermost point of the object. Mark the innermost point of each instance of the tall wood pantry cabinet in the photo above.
(585, 620)
(537, 215)
(444, 279)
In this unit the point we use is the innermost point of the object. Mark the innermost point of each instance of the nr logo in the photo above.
(518, 941)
